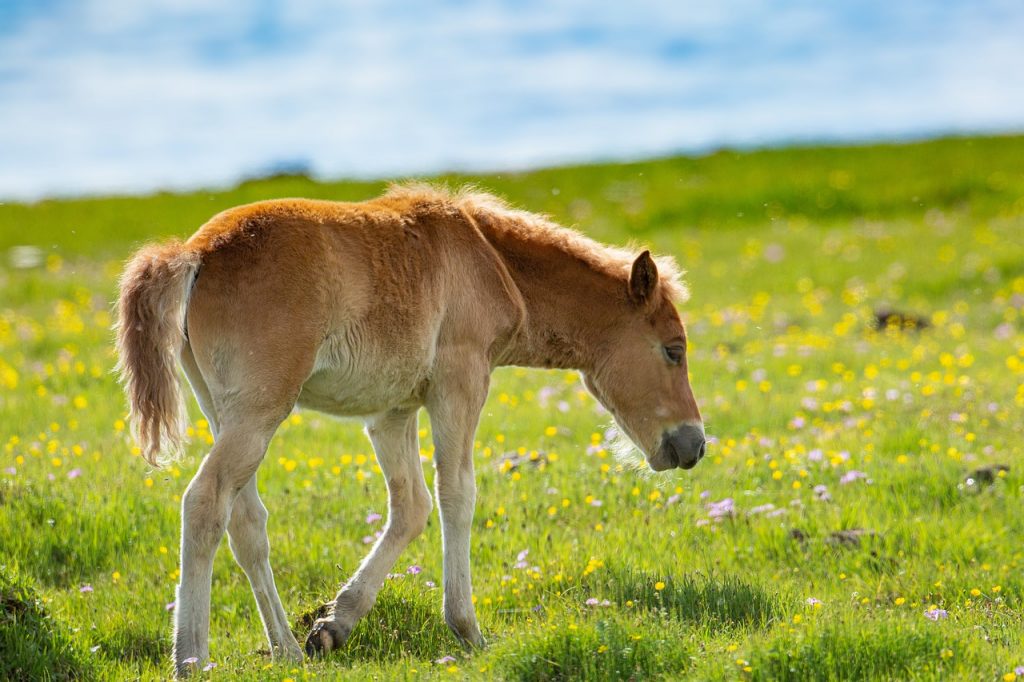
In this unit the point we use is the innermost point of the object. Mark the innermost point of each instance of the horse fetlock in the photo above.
(326, 635)
(290, 652)
(465, 629)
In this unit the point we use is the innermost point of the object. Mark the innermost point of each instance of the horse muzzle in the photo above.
(682, 448)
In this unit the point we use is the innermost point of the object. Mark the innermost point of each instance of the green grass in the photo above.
(789, 254)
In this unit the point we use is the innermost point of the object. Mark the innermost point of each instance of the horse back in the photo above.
(345, 305)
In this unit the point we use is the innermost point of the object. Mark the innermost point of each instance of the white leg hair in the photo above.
(395, 442)
(205, 510)
(247, 536)
(454, 411)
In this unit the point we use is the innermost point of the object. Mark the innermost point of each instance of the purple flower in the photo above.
(192, 660)
(414, 570)
(85, 588)
(596, 503)
(851, 476)
(170, 606)
(761, 509)
(373, 517)
(209, 666)
(74, 473)
(815, 455)
(11, 470)
(1019, 670)
(721, 509)
(811, 601)
(444, 660)
(521, 559)
(592, 602)
(821, 493)
(430, 583)
(936, 614)
(367, 539)
(797, 423)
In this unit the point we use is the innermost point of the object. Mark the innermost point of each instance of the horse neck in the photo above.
(569, 305)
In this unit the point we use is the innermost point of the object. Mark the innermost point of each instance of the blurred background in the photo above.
(120, 96)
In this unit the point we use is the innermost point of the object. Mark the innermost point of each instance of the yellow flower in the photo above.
(900, 601)
(659, 586)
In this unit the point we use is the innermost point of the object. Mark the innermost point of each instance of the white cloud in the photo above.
(110, 95)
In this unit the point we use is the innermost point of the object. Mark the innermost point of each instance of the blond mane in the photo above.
(613, 261)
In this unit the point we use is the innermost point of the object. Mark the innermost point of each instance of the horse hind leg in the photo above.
(247, 534)
(199, 387)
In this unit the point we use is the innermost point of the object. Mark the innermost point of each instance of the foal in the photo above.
(374, 310)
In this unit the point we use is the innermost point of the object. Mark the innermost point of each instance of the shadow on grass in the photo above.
(602, 650)
(703, 600)
(125, 644)
(33, 646)
(841, 654)
(405, 622)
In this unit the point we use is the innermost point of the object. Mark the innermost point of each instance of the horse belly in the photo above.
(351, 385)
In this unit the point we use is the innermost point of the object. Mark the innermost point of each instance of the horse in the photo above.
(373, 310)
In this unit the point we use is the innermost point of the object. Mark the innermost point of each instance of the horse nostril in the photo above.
(700, 450)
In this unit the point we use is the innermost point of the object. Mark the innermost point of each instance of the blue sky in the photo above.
(128, 96)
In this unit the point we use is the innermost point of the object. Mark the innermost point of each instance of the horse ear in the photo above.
(643, 279)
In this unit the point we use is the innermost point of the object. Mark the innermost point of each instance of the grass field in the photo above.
(830, 533)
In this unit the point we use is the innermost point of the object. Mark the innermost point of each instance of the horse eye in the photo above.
(674, 354)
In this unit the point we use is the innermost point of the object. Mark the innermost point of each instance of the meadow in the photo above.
(858, 515)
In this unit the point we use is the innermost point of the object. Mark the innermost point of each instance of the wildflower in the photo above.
(414, 570)
(936, 614)
(170, 606)
(209, 666)
(900, 601)
(191, 660)
(521, 559)
(760, 509)
(721, 509)
(811, 601)
(851, 476)
(821, 493)
(445, 660)
(84, 589)
(373, 517)
(74, 473)
(11, 471)
(659, 586)
(592, 602)
(94, 649)
(430, 583)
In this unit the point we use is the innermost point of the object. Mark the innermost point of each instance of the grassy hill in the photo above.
(851, 520)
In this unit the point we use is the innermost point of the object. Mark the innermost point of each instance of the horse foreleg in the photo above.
(454, 408)
(395, 442)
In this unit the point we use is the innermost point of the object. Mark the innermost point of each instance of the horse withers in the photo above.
(374, 310)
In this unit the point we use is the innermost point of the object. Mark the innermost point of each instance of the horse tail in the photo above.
(154, 293)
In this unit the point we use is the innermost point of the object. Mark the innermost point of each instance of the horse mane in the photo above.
(613, 261)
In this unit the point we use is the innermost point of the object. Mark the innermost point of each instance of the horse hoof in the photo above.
(326, 636)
